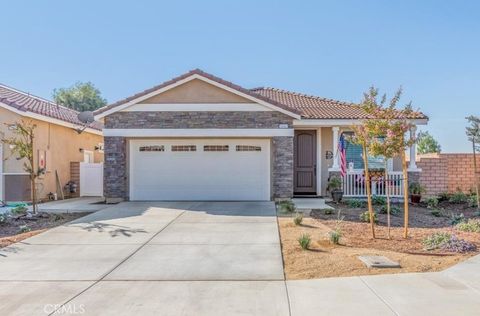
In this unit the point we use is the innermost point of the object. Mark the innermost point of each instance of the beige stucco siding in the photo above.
(62, 145)
(196, 91)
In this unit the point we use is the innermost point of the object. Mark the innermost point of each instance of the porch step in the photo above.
(306, 205)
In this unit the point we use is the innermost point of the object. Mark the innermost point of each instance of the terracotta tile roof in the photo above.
(309, 107)
(313, 107)
(26, 102)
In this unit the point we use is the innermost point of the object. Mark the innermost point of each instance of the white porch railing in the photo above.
(354, 184)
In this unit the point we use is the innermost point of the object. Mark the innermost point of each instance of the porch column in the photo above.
(413, 151)
(335, 166)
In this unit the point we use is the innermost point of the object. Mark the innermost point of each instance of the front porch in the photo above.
(317, 158)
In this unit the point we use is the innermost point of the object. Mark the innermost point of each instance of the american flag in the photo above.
(343, 155)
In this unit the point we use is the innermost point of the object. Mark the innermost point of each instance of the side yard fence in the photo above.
(447, 172)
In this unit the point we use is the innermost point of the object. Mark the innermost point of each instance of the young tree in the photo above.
(383, 133)
(473, 134)
(21, 144)
(426, 144)
(80, 97)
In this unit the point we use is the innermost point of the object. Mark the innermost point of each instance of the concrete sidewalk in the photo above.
(202, 258)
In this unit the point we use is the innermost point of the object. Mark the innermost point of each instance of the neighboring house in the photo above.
(56, 144)
(199, 137)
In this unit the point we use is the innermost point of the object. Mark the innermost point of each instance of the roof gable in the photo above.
(196, 74)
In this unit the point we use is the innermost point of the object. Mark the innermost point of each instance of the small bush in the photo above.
(24, 229)
(458, 198)
(287, 206)
(436, 212)
(328, 211)
(57, 217)
(444, 196)
(436, 240)
(19, 210)
(298, 218)
(304, 241)
(355, 203)
(454, 244)
(365, 217)
(472, 226)
(432, 202)
(456, 218)
(472, 201)
(394, 210)
(379, 200)
(334, 236)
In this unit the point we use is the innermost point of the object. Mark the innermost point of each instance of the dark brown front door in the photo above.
(305, 160)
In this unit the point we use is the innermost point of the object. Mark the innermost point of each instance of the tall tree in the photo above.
(82, 96)
(473, 134)
(21, 144)
(426, 144)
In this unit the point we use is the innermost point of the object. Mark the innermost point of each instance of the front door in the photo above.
(305, 160)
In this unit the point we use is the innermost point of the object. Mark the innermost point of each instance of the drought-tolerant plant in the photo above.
(472, 201)
(394, 210)
(454, 244)
(432, 202)
(304, 241)
(444, 196)
(379, 200)
(287, 206)
(365, 217)
(355, 203)
(436, 240)
(456, 218)
(3, 218)
(416, 188)
(298, 218)
(19, 210)
(24, 229)
(57, 217)
(335, 234)
(458, 198)
(436, 212)
(471, 225)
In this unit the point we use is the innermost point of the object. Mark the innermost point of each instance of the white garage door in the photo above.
(200, 169)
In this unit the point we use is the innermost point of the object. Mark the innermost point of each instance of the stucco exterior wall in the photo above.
(62, 145)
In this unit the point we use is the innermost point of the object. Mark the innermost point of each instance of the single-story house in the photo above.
(199, 137)
(56, 144)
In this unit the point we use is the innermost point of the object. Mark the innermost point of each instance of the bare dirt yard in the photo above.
(324, 259)
(17, 228)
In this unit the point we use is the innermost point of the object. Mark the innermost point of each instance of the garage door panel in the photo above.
(200, 175)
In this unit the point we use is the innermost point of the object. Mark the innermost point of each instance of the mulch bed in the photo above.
(10, 232)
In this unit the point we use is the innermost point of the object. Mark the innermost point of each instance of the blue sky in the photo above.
(335, 49)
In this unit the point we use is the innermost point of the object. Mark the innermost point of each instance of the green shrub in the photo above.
(436, 212)
(3, 219)
(458, 198)
(355, 203)
(19, 210)
(304, 241)
(298, 218)
(365, 217)
(456, 218)
(334, 236)
(394, 210)
(416, 188)
(432, 202)
(444, 196)
(472, 201)
(287, 206)
(379, 200)
(472, 226)
(57, 217)
(436, 240)
(24, 229)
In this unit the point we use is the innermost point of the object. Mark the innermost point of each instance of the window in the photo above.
(354, 153)
(152, 148)
(184, 148)
(248, 148)
(215, 148)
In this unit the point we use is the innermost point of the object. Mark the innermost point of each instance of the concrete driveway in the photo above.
(202, 258)
(168, 258)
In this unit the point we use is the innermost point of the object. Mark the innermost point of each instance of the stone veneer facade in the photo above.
(115, 170)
